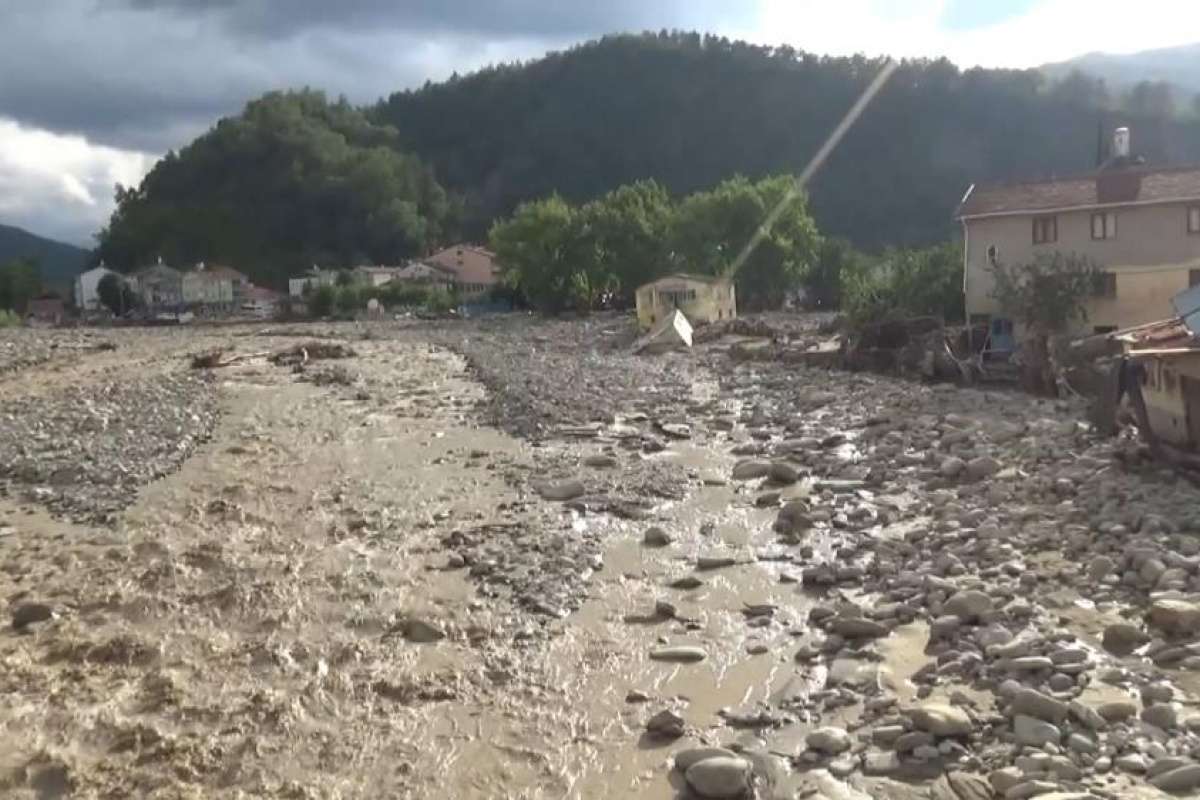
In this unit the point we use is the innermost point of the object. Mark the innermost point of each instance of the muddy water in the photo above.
(238, 631)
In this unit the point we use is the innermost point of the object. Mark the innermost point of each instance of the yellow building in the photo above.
(701, 298)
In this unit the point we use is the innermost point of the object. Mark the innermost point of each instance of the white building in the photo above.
(87, 296)
(314, 278)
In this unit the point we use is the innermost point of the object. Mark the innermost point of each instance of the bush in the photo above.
(320, 301)
(440, 301)
(9, 319)
(907, 283)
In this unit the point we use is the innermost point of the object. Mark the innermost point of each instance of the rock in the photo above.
(858, 628)
(1100, 567)
(783, 473)
(1121, 638)
(1005, 778)
(842, 767)
(1027, 789)
(666, 724)
(687, 582)
(676, 430)
(1131, 762)
(636, 696)
(421, 632)
(1035, 732)
(751, 469)
(665, 609)
(719, 777)
(982, 467)
(961, 786)
(1039, 706)
(968, 605)
(880, 762)
(1179, 779)
(561, 491)
(951, 467)
(714, 562)
(1117, 710)
(25, 614)
(656, 537)
(600, 461)
(679, 654)
(912, 740)
(1175, 617)
(1087, 716)
(1166, 764)
(1078, 743)
(940, 719)
(1161, 715)
(829, 740)
(684, 759)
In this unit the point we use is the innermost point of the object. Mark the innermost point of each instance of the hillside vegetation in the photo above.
(296, 179)
(690, 111)
(56, 262)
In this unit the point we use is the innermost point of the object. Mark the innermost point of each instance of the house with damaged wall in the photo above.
(1139, 224)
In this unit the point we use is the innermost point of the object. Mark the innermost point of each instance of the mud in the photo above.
(353, 586)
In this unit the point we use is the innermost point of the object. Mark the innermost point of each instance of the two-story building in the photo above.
(1139, 224)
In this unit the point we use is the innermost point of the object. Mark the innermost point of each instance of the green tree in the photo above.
(837, 264)
(714, 227)
(628, 231)
(116, 295)
(20, 282)
(908, 283)
(536, 250)
(294, 179)
(1046, 296)
(321, 300)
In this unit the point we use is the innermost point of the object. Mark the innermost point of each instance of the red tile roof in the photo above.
(1117, 186)
(469, 264)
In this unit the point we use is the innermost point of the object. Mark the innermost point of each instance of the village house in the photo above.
(701, 298)
(46, 310)
(427, 274)
(311, 280)
(1139, 224)
(87, 296)
(374, 276)
(474, 268)
(260, 301)
(159, 286)
(214, 287)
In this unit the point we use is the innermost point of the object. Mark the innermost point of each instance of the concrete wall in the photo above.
(86, 297)
(1151, 254)
(713, 302)
(207, 290)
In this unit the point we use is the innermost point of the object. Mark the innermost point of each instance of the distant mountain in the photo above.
(1178, 66)
(59, 262)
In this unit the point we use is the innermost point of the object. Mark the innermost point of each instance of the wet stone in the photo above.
(684, 759)
(25, 614)
(1122, 638)
(656, 537)
(666, 724)
(679, 654)
(829, 740)
(561, 491)
(719, 777)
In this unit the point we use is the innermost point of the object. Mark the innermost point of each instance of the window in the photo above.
(1104, 225)
(993, 255)
(1193, 277)
(1104, 329)
(1106, 285)
(1194, 220)
(1045, 230)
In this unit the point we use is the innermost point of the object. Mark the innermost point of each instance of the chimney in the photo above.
(1121, 143)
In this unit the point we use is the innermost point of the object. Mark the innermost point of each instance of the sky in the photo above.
(93, 92)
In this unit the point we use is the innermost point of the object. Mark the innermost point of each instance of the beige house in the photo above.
(214, 286)
(701, 298)
(474, 268)
(1141, 225)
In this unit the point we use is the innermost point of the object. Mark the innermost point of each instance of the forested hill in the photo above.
(690, 110)
(58, 263)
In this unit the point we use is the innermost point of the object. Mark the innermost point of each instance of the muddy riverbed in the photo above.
(509, 559)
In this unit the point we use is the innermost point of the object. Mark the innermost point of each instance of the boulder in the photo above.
(1040, 706)
(656, 537)
(828, 740)
(1175, 617)
(684, 759)
(666, 724)
(719, 777)
(1035, 732)
(751, 469)
(560, 491)
(1180, 779)
(1122, 638)
(940, 719)
(858, 628)
(968, 605)
(982, 467)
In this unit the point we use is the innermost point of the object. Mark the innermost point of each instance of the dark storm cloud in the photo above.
(553, 18)
(151, 74)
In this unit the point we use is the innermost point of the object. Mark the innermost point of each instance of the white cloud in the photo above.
(1053, 30)
(59, 185)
